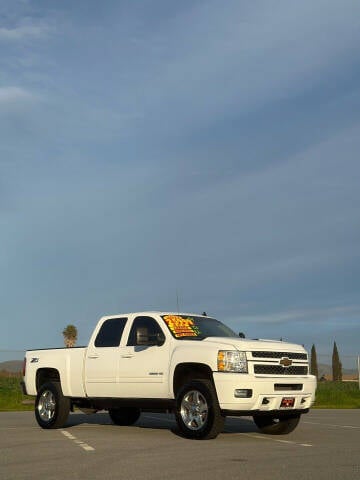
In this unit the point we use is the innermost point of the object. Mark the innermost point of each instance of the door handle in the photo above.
(95, 355)
(127, 355)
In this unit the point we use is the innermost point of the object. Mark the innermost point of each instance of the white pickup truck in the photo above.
(192, 365)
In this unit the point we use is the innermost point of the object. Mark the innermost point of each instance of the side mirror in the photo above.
(241, 335)
(160, 339)
(142, 336)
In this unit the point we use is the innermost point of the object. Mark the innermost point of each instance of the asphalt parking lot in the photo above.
(326, 445)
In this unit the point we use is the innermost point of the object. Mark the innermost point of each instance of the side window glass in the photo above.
(151, 328)
(110, 333)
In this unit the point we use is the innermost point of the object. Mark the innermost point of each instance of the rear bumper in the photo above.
(266, 393)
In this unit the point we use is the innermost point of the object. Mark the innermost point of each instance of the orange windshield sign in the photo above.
(181, 327)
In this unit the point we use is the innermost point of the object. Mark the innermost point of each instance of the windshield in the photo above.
(196, 328)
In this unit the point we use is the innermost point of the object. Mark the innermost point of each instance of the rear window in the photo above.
(110, 332)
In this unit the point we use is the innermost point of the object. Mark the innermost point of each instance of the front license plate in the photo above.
(287, 402)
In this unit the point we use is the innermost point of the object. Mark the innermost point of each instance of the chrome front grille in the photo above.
(291, 355)
(267, 362)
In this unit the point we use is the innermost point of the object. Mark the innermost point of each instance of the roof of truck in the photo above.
(155, 312)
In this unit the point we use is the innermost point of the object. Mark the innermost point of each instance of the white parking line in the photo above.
(87, 447)
(260, 437)
(80, 443)
(331, 425)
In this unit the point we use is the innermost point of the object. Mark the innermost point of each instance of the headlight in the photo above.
(232, 361)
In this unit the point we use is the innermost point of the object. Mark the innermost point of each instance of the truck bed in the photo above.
(67, 361)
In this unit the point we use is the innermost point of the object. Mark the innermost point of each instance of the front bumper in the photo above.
(266, 394)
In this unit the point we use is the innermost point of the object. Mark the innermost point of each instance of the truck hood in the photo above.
(246, 344)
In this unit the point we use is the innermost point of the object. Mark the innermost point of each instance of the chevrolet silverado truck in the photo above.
(188, 364)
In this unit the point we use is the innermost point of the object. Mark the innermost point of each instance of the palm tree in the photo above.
(70, 336)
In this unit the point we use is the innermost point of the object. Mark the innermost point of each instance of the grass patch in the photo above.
(337, 395)
(11, 395)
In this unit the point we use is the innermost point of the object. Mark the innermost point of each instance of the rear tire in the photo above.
(124, 416)
(197, 411)
(276, 425)
(51, 407)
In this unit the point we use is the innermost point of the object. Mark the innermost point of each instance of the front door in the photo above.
(143, 369)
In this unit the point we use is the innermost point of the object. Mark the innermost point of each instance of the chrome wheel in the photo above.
(197, 411)
(194, 410)
(51, 407)
(46, 405)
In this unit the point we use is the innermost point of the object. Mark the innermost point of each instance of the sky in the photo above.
(198, 153)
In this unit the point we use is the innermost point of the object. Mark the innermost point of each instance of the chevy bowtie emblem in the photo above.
(285, 362)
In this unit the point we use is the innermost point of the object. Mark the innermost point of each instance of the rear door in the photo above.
(103, 358)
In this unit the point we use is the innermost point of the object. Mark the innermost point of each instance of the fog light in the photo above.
(265, 401)
(243, 393)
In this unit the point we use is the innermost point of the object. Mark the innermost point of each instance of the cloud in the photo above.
(23, 31)
(240, 58)
(309, 315)
(14, 94)
(213, 146)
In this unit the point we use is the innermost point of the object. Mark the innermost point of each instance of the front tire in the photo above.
(51, 407)
(197, 411)
(276, 425)
(124, 416)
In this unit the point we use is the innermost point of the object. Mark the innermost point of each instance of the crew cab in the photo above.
(189, 364)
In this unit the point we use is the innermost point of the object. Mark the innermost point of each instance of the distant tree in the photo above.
(336, 365)
(313, 363)
(70, 336)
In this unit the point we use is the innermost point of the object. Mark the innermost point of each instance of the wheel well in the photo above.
(185, 372)
(44, 375)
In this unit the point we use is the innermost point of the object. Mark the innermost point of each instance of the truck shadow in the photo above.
(159, 422)
(232, 426)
